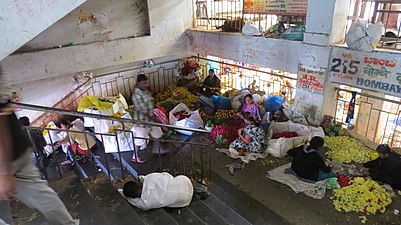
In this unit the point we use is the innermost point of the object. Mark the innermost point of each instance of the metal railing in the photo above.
(386, 11)
(376, 118)
(185, 156)
(236, 76)
(111, 84)
(229, 16)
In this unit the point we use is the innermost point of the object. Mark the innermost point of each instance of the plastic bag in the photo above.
(250, 30)
(221, 102)
(279, 147)
(294, 33)
(161, 117)
(274, 103)
(280, 127)
(363, 36)
(88, 102)
(193, 121)
(295, 116)
(51, 136)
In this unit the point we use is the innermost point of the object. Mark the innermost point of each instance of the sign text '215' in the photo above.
(344, 66)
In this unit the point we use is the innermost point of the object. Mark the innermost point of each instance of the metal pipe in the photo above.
(97, 116)
(370, 96)
(243, 67)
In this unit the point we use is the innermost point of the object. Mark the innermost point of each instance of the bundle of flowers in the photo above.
(346, 149)
(231, 93)
(118, 115)
(224, 134)
(172, 97)
(225, 113)
(221, 117)
(363, 195)
(186, 67)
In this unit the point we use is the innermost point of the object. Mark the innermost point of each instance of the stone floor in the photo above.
(296, 208)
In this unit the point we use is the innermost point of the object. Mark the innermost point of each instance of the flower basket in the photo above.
(188, 72)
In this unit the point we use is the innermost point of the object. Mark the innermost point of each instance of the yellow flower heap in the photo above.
(346, 149)
(363, 195)
(224, 113)
(176, 95)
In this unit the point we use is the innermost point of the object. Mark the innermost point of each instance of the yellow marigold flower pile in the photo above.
(363, 195)
(224, 113)
(346, 149)
(175, 96)
(231, 93)
(113, 128)
(118, 115)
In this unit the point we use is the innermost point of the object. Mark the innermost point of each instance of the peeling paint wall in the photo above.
(44, 77)
(266, 52)
(95, 20)
(20, 21)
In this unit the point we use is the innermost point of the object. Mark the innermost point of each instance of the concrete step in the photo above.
(5, 212)
(115, 208)
(184, 216)
(206, 214)
(77, 200)
(249, 208)
(155, 217)
(225, 211)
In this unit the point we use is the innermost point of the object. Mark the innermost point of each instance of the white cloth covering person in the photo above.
(159, 190)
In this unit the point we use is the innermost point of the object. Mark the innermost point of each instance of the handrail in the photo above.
(369, 96)
(109, 134)
(243, 67)
(104, 117)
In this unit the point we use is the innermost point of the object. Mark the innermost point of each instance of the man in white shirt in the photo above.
(158, 190)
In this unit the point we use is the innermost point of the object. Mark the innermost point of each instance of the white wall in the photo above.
(28, 71)
(266, 52)
(20, 21)
(112, 20)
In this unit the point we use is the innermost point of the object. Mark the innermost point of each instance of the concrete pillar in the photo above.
(326, 22)
(325, 26)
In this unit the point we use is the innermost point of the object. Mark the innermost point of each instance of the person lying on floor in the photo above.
(157, 190)
(387, 167)
(307, 163)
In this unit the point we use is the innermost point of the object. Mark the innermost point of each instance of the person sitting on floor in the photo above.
(251, 139)
(157, 190)
(251, 107)
(212, 82)
(387, 167)
(80, 143)
(307, 163)
(205, 101)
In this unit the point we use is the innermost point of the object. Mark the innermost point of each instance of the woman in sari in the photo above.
(251, 107)
(251, 138)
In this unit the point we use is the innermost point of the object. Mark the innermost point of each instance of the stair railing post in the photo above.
(105, 158)
(55, 155)
(119, 156)
(201, 167)
(89, 154)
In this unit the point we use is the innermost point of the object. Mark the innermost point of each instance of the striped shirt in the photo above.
(143, 105)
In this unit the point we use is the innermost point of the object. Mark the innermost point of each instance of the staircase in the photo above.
(91, 196)
(96, 201)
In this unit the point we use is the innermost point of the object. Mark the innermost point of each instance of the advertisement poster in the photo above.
(376, 71)
(309, 97)
(276, 7)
